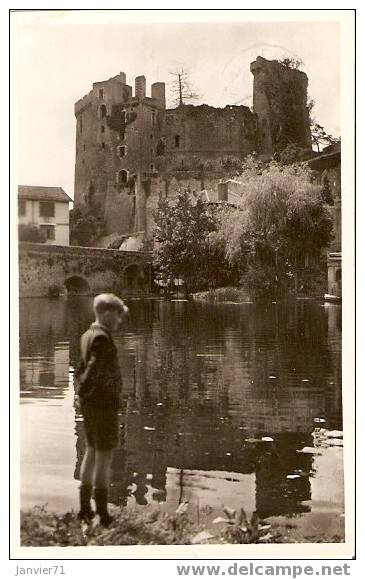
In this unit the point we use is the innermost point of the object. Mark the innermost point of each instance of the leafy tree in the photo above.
(186, 245)
(291, 154)
(291, 62)
(85, 225)
(31, 233)
(282, 223)
(320, 137)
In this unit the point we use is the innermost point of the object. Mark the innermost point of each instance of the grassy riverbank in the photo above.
(240, 295)
(151, 526)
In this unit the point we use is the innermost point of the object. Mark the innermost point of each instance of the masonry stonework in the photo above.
(131, 149)
(81, 270)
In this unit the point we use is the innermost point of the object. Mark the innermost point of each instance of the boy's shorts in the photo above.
(101, 428)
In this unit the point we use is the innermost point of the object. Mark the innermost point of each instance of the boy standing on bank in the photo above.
(98, 387)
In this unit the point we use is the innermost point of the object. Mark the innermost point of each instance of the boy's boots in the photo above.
(86, 513)
(101, 500)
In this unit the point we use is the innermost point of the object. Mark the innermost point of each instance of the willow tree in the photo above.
(280, 228)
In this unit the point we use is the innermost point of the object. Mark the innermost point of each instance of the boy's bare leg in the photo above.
(87, 466)
(103, 462)
(86, 477)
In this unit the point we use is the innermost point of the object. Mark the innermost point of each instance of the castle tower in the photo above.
(158, 93)
(95, 139)
(140, 87)
(116, 140)
(280, 103)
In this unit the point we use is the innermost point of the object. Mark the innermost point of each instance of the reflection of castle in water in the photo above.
(201, 389)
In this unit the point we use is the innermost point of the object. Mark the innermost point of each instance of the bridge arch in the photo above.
(133, 277)
(76, 284)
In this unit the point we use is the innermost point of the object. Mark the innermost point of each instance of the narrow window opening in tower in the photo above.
(102, 128)
(101, 93)
(84, 147)
(103, 145)
(103, 112)
(177, 141)
(80, 124)
(124, 117)
(160, 149)
(122, 151)
(91, 191)
(122, 177)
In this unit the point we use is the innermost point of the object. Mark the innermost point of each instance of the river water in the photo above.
(203, 385)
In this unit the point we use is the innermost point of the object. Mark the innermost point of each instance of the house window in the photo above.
(103, 112)
(122, 177)
(122, 151)
(177, 141)
(21, 207)
(101, 93)
(49, 231)
(46, 209)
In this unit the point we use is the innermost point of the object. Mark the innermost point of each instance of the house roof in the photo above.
(43, 193)
(325, 161)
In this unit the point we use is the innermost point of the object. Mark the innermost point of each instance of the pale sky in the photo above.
(57, 57)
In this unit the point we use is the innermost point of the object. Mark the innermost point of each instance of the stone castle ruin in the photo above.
(130, 148)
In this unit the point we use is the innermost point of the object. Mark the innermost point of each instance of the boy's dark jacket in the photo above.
(98, 379)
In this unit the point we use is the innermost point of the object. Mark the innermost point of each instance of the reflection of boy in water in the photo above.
(99, 382)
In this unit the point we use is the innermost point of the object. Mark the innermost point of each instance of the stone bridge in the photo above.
(53, 269)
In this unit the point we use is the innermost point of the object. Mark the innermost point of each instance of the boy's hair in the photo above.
(108, 302)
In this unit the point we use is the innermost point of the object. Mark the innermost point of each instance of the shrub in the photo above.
(30, 233)
(54, 290)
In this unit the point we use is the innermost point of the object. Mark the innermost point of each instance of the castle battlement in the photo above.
(83, 103)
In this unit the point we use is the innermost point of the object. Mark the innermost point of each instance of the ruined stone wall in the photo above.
(280, 102)
(331, 179)
(133, 214)
(326, 168)
(196, 133)
(133, 152)
(334, 177)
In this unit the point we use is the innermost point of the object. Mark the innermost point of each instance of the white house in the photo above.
(46, 208)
